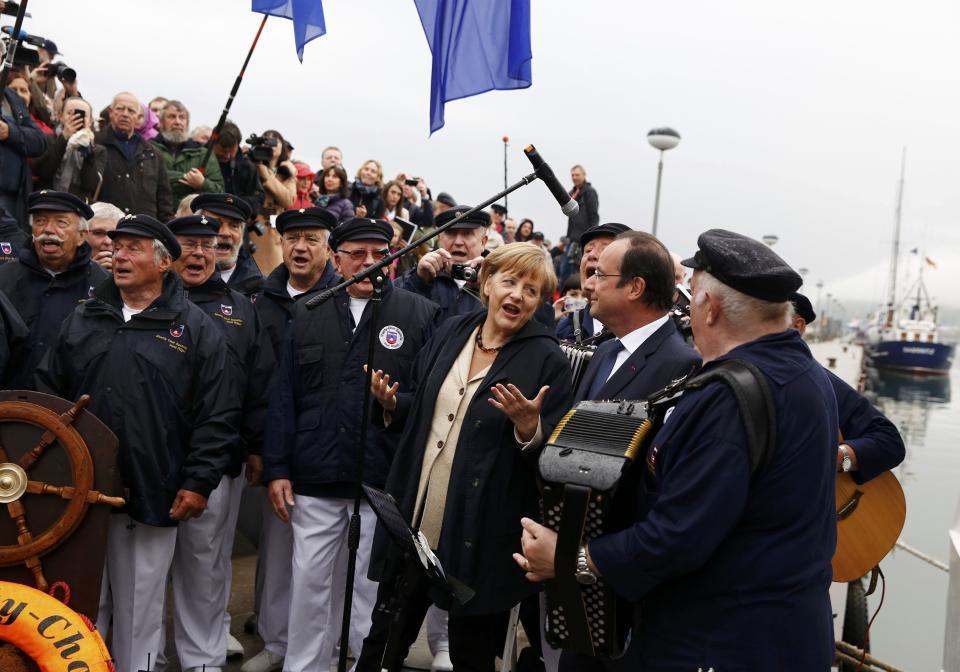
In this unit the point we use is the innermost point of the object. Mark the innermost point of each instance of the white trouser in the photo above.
(138, 560)
(437, 637)
(319, 530)
(274, 559)
(199, 585)
(236, 486)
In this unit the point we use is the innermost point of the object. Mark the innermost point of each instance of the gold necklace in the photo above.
(489, 351)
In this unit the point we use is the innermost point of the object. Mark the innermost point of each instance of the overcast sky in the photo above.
(792, 117)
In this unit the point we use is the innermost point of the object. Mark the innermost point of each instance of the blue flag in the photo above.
(307, 17)
(477, 46)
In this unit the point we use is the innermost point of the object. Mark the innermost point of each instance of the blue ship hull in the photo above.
(935, 358)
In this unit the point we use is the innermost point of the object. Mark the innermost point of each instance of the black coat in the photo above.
(44, 301)
(12, 238)
(275, 307)
(251, 355)
(160, 382)
(246, 277)
(444, 291)
(565, 330)
(369, 197)
(316, 408)
(85, 180)
(492, 484)
(13, 333)
(662, 358)
(138, 187)
(25, 140)
(240, 178)
(588, 215)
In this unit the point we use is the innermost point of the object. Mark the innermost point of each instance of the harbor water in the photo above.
(908, 633)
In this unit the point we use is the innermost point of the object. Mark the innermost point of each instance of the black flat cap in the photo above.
(145, 226)
(446, 199)
(306, 218)
(473, 221)
(58, 201)
(226, 205)
(803, 307)
(612, 229)
(499, 209)
(744, 264)
(194, 225)
(361, 228)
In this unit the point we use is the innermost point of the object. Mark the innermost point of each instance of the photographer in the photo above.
(365, 190)
(278, 176)
(68, 164)
(183, 156)
(417, 201)
(439, 275)
(239, 174)
(20, 139)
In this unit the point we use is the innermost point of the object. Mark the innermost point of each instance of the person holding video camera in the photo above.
(20, 139)
(68, 163)
(447, 276)
(239, 174)
(270, 152)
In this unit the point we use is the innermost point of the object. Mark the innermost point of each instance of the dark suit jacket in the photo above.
(663, 357)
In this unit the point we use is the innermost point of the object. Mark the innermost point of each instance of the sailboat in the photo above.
(907, 334)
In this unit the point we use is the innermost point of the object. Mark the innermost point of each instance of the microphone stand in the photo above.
(353, 537)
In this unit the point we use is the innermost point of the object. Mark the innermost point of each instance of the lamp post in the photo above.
(770, 240)
(662, 139)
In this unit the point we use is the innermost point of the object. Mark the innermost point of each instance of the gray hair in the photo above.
(102, 210)
(160, 252)
(741, 309)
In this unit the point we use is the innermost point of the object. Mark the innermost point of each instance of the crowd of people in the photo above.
(164, 270)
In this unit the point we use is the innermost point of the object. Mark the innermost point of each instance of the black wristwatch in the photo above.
(584, 574)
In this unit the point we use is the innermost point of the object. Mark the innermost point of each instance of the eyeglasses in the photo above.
(597, 274)
(360, 255)
(194, 245)
(309, 238)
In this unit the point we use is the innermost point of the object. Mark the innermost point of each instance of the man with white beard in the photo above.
(51, 277)
(183, 156)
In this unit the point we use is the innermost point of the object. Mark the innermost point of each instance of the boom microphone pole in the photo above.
(12, 46)
(215, 135)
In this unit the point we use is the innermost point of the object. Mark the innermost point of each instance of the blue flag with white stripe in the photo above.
(477, 46)
(307, 17)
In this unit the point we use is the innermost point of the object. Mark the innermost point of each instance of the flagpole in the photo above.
(233, 92)
(13, 44)
(506, 144)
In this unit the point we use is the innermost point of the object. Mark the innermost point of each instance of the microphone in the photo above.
(34, 40)
(569, 206)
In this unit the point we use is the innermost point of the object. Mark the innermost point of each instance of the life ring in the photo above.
(50, 633)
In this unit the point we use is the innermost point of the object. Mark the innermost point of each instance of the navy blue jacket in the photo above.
(733, 572)
(443, 291)
(246, 277)
(12, 238)
(275, 307)
(25, 140)
(492, 483)
(875, 440)
(161, 382)
(565, 326)
(44, 301)
(251, 356)
(316, 406)
(663, 357)
(13, 332)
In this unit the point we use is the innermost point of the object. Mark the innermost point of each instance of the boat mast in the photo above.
(895, 254)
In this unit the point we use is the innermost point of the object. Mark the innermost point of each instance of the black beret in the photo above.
(479, 218)
(145, 226)
(446, 199)
(499, 209)
(226, 205)
(304, 218)
(361, 228)
(58, 201)
(744, 264)
(803, 307)
(612, 229)
(194, 225)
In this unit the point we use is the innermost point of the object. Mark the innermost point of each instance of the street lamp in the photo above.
(770, 239)
(662, 139)
(803, 271)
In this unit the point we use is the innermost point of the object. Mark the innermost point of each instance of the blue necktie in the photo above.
(605, 369)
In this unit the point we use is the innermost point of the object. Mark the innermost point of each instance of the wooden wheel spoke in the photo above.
(48, 437)
(24, 538)
(68, 492)
(3, 454)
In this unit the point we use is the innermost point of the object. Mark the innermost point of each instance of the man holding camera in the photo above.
(239, 174)
(133, 170)
(183, 156)
(442, 275)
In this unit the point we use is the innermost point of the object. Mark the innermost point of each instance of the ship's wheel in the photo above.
(17, 489)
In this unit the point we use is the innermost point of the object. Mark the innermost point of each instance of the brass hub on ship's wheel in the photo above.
(13, 482)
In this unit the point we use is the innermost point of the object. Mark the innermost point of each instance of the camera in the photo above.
(62, 71)
(412, 181)
(261, 148)
(464, 272)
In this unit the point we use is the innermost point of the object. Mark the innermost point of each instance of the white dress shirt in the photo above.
(634, 340)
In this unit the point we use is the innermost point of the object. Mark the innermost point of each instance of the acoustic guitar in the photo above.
(870, 517)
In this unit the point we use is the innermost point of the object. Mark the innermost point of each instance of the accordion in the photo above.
(583, 465)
